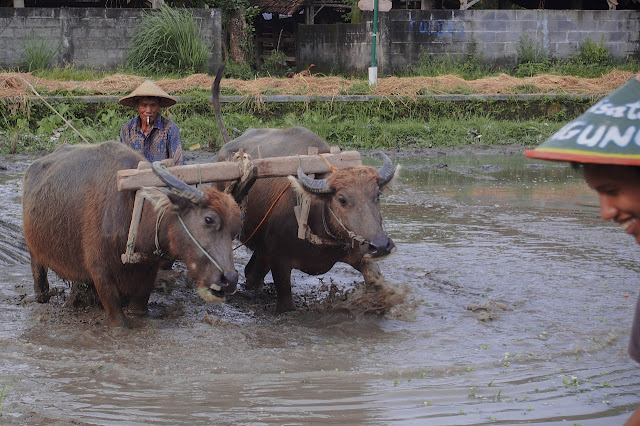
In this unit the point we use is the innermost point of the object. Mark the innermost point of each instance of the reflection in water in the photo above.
(520, 305)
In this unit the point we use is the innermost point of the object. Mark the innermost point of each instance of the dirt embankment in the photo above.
(17, 85)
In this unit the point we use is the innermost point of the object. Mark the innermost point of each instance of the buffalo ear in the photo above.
(181, 203)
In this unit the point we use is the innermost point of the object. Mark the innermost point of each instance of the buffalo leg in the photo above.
(282, 280)
(111, 302)
(139, 296)
(40, 282)
(255, 271)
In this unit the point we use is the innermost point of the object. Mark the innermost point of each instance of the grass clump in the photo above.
(168, 41)
(532, 58)
(38, 53)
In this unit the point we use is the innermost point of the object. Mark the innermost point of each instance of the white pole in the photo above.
(373, 76)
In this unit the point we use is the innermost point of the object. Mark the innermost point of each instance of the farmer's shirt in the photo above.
(162, 142)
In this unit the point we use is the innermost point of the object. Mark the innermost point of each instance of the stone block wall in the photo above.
(88, 37)
(495, 34)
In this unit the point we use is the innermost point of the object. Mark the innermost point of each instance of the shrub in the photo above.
(592, 53)
(168, 41)
(238, 70)
(276, 64)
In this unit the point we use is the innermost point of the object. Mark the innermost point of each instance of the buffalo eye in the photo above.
(342, 201)
(211, 222)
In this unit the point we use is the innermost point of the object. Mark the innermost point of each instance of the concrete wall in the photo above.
(496, 34)
(88, 37)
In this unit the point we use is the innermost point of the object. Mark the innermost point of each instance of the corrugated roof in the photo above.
(284, 7)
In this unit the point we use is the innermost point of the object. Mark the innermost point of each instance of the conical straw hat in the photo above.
(607, 133)
(148, 88)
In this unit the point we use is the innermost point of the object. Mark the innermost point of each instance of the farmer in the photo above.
(605, 143)
(152, 135)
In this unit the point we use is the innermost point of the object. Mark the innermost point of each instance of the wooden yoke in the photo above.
(143, 176)
(134, 179)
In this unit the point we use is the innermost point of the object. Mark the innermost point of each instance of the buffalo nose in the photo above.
(381, 246)
(229, 282)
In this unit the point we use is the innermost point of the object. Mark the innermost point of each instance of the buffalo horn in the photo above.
(317, 186)
(385, 173)
(178, 186)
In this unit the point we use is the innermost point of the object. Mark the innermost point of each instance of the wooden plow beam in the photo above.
(134, 179)
(143, 176)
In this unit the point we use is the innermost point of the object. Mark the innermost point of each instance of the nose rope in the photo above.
(199, 246)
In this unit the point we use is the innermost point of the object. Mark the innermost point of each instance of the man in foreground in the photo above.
(605, 143)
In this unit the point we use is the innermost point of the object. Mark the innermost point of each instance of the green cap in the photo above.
(607, 133)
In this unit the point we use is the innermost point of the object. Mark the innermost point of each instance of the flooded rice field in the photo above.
(510, 302)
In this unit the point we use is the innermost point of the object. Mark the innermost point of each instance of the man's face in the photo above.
(148, 109)
(619, 191)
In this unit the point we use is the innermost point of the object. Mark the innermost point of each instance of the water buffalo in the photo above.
(344, 214)
(76, 223)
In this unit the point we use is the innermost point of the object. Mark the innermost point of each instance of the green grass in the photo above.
(361, 126)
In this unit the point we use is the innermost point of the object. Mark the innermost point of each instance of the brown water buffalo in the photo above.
(344, 215)
(76, 223)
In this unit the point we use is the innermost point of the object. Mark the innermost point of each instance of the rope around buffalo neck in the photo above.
(199, 246)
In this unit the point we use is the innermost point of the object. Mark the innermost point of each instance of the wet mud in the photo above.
(508, 300)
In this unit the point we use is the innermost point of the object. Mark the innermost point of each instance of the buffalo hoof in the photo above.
(120, 323)
(46, 295)
(285, 306)
(138, 311)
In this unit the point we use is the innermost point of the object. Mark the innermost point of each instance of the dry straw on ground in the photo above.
(13, 85)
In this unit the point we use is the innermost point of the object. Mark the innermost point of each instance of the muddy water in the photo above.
(516, 303)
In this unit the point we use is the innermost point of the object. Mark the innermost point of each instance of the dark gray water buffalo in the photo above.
(76, 223)
(344, 216)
